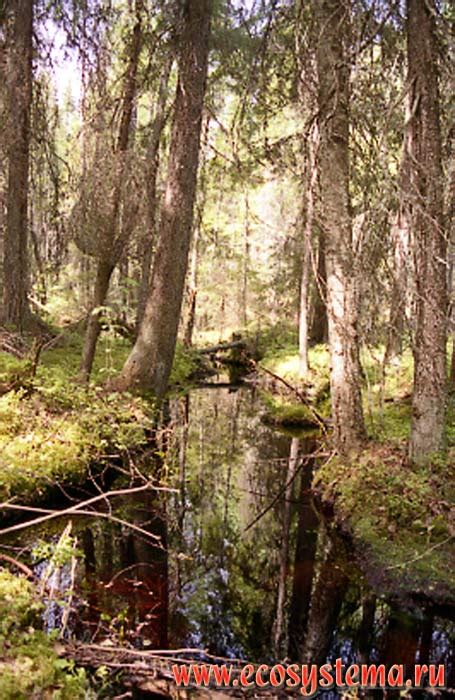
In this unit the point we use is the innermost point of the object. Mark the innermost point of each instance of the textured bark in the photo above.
(307, 254)
(425, 200)
(153, 157)
(452, 366)
(110, 255)
(19, 90)
(246, 262)
(319, 324)
(398, 296)
(103, 276)
(333, 98)
(194, 266)
(150, 361)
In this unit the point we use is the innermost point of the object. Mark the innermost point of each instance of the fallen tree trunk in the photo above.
(223, 346)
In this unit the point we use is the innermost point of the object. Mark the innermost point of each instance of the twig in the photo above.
(420, 556)
(89, 513)
(19, 565)
(304, 463)
(78, 507)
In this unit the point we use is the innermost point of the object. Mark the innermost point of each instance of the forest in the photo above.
(227, 343)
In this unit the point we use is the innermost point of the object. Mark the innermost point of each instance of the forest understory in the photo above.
(227, 337)
(57, 433)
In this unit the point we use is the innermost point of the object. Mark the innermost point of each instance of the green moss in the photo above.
(44, 440)
(59, 430)
(400, 512)
(186, 361)
(29, 664)
(280, 412)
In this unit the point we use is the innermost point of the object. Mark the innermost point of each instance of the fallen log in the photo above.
(151, 670)
(222, 346)
(320, 420)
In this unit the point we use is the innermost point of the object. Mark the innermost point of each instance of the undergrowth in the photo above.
(29, 664)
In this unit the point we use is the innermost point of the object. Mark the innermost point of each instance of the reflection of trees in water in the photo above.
(233, 467)
(327, 597)
(304, 558)
(126, 576)
(232, 470)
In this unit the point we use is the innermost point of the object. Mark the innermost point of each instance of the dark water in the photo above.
(240, 563)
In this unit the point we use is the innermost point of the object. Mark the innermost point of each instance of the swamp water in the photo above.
(239, 564)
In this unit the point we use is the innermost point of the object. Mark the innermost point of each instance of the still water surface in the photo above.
(241, 563)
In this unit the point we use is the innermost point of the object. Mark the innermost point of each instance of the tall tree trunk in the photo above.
(452, 365)
(103, 276)
(194, 267)
(19, 86)
(109, 257)
(319, 323)
(192, 288)
(307, 255)
(246, 262)
(333, 99)
(150, 362)
(153, 157)
(430, 244)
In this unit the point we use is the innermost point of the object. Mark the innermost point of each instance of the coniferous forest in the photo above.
(227, 344)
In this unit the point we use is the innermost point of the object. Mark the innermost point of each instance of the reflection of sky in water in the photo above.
(59, 582)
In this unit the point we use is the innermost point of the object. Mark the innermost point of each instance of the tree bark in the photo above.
(19, 89)
(246, 261)
(304, 324)
(104, 271)
(452, 366)
(153, 156)
(109, 256)
(194, 266)
(150, 362)
(425, 201)
(319, 323)
(333, 103)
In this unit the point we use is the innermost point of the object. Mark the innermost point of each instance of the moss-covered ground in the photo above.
(53, 429)
(401, 516)
(30, 666)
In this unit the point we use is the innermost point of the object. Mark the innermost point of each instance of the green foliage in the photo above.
(185, 363)
(12, 369)
(29, 664)
(406, 524)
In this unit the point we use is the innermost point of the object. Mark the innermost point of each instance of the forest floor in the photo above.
(54, 431)
(401, 517)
